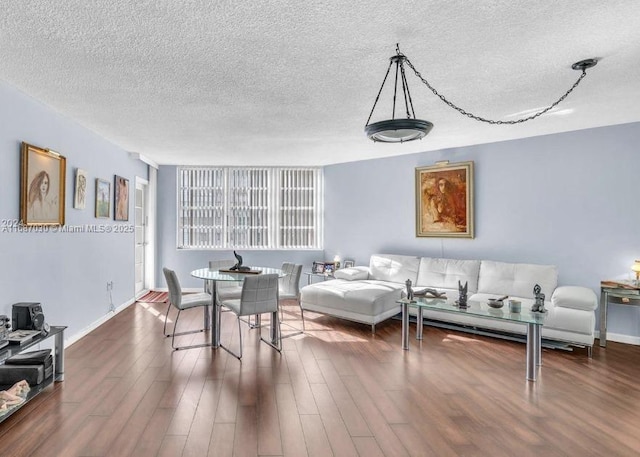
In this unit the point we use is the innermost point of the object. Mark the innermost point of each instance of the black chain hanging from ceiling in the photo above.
(582, 65)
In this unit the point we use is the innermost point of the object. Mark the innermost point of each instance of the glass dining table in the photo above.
(213, 276)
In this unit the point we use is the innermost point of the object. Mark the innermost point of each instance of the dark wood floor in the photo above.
(336, 391)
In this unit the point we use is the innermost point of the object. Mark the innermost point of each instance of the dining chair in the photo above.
(259, 295)
(289, 289)
(182, 302)
(225, 289)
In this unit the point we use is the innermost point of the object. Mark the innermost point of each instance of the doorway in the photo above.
(141, 236)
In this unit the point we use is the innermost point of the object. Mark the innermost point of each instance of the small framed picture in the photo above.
(121, 199)
(329, 267)
(318, 267)
(349, 263)
(103, 198)
(80, 195)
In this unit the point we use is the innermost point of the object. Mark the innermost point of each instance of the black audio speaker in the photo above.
(27, 316)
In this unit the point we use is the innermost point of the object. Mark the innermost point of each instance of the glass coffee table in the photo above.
(533, 321)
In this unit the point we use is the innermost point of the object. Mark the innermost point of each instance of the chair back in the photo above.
(259, 294)
(221, 264)
(289, 284)
(175, 291)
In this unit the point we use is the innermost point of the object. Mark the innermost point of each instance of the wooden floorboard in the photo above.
(337, 390)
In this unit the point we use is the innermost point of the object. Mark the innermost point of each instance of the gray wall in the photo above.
(567, 199)
(185, 261)
(66, 272)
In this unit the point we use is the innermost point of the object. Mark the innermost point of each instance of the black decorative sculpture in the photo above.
(538, 305)
(238, 266)
(434, 293)
(409, 290)
(428, 292)
(462, 299)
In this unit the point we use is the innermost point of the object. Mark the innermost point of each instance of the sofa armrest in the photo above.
(574, 297)
(352, 273)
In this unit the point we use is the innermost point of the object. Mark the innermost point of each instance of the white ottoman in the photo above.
(367, 301)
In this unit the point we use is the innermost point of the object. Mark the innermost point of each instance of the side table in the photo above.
(57, 332)
(311, 275)
(619, 292)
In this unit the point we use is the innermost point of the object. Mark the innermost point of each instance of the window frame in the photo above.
(303, 215)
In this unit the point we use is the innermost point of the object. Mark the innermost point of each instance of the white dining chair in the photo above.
(259, 295)
(182, 302)
(289, 289)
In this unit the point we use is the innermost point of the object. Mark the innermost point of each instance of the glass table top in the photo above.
(476, 308)
(216, 275)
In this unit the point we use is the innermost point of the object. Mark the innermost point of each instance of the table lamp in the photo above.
(636, 268)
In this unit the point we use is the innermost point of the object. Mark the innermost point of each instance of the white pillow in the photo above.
(352, 273)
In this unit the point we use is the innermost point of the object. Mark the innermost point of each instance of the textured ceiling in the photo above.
(289, 82)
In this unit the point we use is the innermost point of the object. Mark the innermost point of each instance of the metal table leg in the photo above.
(273, 328)
(206, 311)
(538, 341)
(533, 350)
(604, 299)
(405, 325)
(215, 317)
(58, 349)
(419, 324)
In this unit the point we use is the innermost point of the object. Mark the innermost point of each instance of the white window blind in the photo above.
(250, 208)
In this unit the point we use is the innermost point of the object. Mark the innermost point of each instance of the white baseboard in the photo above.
(94, 325)
(184, 289)
(620, 338)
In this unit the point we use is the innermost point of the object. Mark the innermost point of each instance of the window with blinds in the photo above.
(250, 208)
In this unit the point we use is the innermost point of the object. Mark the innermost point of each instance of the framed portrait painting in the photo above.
(444, 200)
(121, 200)
(80, 195)
(42, 186)
(103, 198)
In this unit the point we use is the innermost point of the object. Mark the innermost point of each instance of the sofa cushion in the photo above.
(516, 279)
(352, 274)
(575, 297)
(394, 268)
(445, 273)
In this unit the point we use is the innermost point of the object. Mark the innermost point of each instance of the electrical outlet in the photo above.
(109, 285)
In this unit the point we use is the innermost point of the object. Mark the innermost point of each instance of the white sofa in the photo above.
(369, 294)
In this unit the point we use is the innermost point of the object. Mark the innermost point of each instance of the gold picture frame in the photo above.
(42, 186)
(103, 198)
(444, 200)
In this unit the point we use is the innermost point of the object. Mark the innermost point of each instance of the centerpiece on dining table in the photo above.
(239, 268)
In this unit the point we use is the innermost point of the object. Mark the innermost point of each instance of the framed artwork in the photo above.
(444, 200)
(80, 195)
(349, 263)
(121, 200)
(42, 185)
(318, 267)
(103, 198)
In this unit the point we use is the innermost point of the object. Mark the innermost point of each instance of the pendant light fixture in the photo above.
(408, 129)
